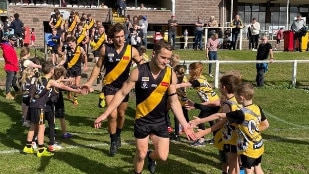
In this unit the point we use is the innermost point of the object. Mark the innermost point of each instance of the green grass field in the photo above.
(286, 140)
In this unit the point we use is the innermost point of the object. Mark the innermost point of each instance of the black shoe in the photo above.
(113, 149)
(211, 141)
(118, 142)
(174, 137)
(151, 163)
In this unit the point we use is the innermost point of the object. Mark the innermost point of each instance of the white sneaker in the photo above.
(210, 75)
(54, 147)
(26, 124)
(34, 146)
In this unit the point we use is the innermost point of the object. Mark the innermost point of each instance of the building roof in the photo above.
(275, 1)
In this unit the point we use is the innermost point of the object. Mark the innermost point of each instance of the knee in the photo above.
(162, 156)
(141, 155)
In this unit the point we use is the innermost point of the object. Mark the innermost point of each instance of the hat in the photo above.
(12, 37)
(144, 17)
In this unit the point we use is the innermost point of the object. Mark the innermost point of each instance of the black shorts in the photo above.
(37, 116)
(59, 107)
(248, 162)
(111, 90)
(229, 148)
(54, 50)
(74, 72)
(143, 130)
(96, 53)
(223, 156)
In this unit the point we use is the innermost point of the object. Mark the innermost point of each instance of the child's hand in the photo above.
(195, 122)
(201, 133)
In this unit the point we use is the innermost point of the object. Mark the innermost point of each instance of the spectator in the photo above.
(264, 50)
(136, 37)
(143, 23)
(213, 24)
(32, 37)
(185, 36)
(198, 33)
(255, 31)
(11, 65)
(121, 7)
(127, 27)
(236, 24)
(18, 27)
(298, 27)
(211, 50)
(279, 37)
(63, 3)
(172, 24)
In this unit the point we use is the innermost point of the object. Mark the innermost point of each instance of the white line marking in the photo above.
(283, 121)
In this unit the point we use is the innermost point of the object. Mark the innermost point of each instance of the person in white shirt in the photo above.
(255, 31)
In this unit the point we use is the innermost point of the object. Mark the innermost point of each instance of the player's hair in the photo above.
(24, 52)
(115, 29)
(27, 72)
(59, 71)
(162, 44)
(196, 68)
(246, 90)
(47, 67)
(230, 82)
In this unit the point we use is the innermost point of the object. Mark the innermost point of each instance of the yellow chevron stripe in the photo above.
(119, 68)
(75, 58)
(145, 107)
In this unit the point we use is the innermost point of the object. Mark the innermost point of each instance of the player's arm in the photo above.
(136, 57)
(64, 87)
(84, 55)
(176, 107)
(118, 98)
(51, 23)
(97, 67)
(63, 57)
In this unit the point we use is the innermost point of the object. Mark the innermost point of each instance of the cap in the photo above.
(145, 17)
(12, 37)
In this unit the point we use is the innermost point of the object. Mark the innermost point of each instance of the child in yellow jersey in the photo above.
(180, 71)
(249, 122)
(206, 94)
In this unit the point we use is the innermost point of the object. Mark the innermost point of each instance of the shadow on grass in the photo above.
(86, 165)
(282, 139)
(14, 130)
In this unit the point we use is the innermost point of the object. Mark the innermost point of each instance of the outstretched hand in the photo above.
(97, 122)
(190, 133)
(201, 133)
(195, 122)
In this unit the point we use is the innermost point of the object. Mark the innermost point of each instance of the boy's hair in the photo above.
(71, 39)
(24, 51)
(143, 49)
(175, 58)
(27, 72)
(162, 44)
(59, 71)
(181, 69)
(115, 29)
(197, 68)
(246, 90)
(47, 67)
(231, 81)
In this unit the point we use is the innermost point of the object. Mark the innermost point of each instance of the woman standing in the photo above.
(212, 46)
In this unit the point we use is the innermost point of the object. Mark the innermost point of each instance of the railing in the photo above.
(217, 67)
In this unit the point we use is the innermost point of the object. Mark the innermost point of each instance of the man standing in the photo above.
(155, 86)
(18, 27)
(172, 24)
(11, 65)
(264, 50)
(236, 24)
(255, 33)
(117, 59)
(198, 33)
(298, 27)
(143, 25)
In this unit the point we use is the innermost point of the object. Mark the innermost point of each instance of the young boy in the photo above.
(249, 122)
(39, 96)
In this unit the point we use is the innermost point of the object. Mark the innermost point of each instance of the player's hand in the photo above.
(201, 133)
(97, 122)
(190, 133)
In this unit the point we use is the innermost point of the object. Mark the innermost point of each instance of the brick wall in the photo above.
(186, 14)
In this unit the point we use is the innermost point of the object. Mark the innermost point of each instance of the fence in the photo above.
(217, 66)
